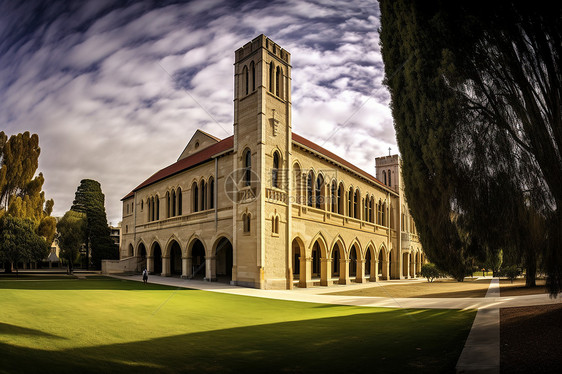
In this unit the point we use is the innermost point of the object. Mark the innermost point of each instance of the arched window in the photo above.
(384, 177)
(179, 209)
(389, 178)
(366, 208)
(157, 207)
(356, 205)
(195, 197)
(203, 193)
(277, 224)
(211, 193)
(277, 80)
(379, 213)
(148, 209)
(152, 203)
(319, 195)
(247, 167)
(341, 199)
(350, 209)
(298, 183)
(275, 170)
(142, 205)
(246, 222)
(334, 196)
(271, 76)
(383, 220)
(372, 216)
(173, 203)
(253, 73)
(246, 79)
(309, 188)
(167, 204)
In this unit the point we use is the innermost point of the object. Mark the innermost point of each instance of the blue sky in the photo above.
(91, 78)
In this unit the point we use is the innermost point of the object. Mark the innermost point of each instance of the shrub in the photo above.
(511, 272)
(430, 272)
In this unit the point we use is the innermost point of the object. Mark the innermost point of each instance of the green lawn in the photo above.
(108, 325)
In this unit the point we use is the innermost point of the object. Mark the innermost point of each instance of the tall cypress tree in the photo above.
(90, 200)
(478, 122)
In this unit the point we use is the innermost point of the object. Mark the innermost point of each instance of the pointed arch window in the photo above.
(173, 203)
(246, 79)
(168, 212)
(203, 193)
(389, 179)
(309, 188)
(195, 197)
(211, 193)
(340, 199)
(247, 167)
(334, 196)
(356, 205)
(179, 209)
(253, 74)
(318, 191)
(277, 81)
(384, 177)
(275, 170)
(246, 222)
(157, 208)
(350, 202)
(271, 77)
(366, 208)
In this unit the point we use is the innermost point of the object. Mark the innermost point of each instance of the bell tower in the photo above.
(262, 143)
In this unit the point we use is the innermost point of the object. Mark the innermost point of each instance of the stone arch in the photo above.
(196, 255)
(174, 257)
(319, 244)
(339, 262)
(383, 261)
(222, 262)
(130, 250)
(167, 247)
(299, 263)
(155, 258)
(321, 238)
(371, 261)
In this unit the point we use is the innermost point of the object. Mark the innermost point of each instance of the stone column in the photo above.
(374, 271)
(165, 266)
(305, 274)
(360, 277)
(186, 267)
(344, 271)
(210, 269)
(150, 264)
(326, 272)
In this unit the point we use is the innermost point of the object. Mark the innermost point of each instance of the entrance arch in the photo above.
(353, 261)
(175, 258)
(196, 252)
(223, 258)
(299, 262)
(141, 254)
(339, 263)
(370, 264)
(156, 258)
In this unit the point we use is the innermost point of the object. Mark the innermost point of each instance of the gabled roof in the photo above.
(199, 141)
(186, 163)
(227, 144)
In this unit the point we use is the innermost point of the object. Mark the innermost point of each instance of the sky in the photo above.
(115, 89)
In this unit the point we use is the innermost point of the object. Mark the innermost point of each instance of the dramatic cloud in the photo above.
(116, 89)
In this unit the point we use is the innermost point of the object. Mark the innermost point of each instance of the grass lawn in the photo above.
(471, 287)
(517, 287)
(109, 325)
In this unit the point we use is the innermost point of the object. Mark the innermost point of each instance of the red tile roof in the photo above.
(186, 163)
(228, 143)
(315, 147)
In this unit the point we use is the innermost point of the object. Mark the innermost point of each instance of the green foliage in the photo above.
(19, 242)
(90, 200)
(475, 99)
(511, 272)
(71, 235)
(494, 261)
(430, 272)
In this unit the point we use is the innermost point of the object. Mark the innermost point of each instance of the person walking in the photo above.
(145, 276)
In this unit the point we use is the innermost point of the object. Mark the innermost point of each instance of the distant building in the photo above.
(115, 233)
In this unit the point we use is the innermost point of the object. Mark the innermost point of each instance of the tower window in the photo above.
(277, 80)
(271, 76)
(275, 171)
(247, 167)
(253, 72)
(246, 79)
(384, 177)
(389, 179)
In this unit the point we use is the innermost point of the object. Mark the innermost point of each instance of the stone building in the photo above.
(267, 208)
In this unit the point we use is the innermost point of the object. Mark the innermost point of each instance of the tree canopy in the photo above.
(71, 231)
(19, 242)
(476, 100)
(90, 200)
(21, 194)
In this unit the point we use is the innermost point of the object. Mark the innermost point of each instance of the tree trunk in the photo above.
(531, 268)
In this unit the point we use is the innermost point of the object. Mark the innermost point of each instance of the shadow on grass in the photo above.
(8, 329)
(385, 340)
(100, 283)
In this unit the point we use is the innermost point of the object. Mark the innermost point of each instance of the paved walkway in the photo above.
(481, 352)
(314, 295)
